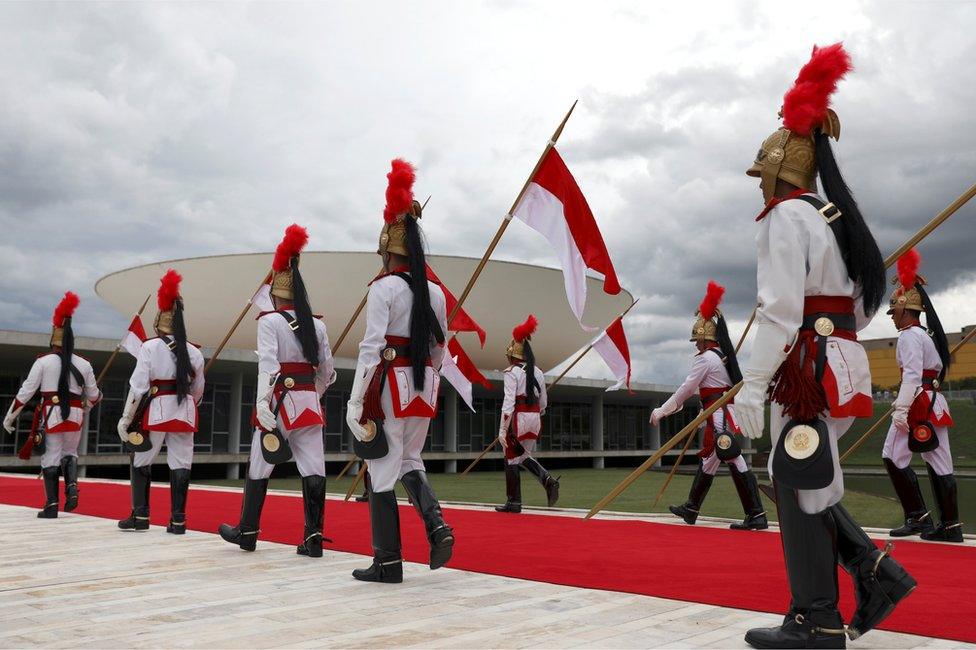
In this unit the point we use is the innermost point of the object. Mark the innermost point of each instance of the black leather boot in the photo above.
(879, 581)
(69, 470)
(810, 549)
(313, 498)
(384, 520)
(439, 534)
(51, 498)
(245, 533)
(748, 489)
(550, 484)
(905, 482)
(947, 497)
(364, 497)
(141, 480)
(696, 496)
(513, 490)
(179, 487)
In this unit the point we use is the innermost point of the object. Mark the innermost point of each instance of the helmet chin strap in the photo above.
(772, 164)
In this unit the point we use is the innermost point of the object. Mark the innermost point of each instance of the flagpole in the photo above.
(355, 483)
(115, 352)
(233, 328)
(860, 441)
(508, 217)
(494, 442)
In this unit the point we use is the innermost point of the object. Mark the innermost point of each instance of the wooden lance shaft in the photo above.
(233, 328)
(860, 441)
(346, 468)
(508, 217)
(118, 348)
(491, 445)
(355, 483)
(665, 448)
(684, 450)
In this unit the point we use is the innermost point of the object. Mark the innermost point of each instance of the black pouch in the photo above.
(726, 446)
(802, 459)
(922, 438)
(377, 447)
(139, 440)
(274, 447)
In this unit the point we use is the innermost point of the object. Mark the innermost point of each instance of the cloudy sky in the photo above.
(131, 133)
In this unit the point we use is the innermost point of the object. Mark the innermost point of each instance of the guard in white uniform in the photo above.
(66, 383)
(394, 392)
(520, 425)
(295, 368)
(921, 419)
(713, 372)
(164, 391)
(819, 272)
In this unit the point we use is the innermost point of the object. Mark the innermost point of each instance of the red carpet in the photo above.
(703, 565)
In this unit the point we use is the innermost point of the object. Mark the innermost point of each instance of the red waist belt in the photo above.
(930, 379)
(296, 376)
(522, 405)
(797, 383)
(395, 354)
(160, 387)
(53, 399)
(710, 395)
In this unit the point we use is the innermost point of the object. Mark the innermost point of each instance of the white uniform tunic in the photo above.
(526, 423)
(407, 411)
(61, 436)
(915, 354)
(707, 371)
(168, 421)
(798, 257)
(300, 415)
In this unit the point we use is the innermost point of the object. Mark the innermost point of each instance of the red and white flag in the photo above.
(262, 297)
(460, 371)
(134, 337)
(554, 206)
(462, 322)
(612, 346)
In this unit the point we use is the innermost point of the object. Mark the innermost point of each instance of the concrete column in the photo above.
(450, 426)
(596, 429)
(83, 447)
(234, 439)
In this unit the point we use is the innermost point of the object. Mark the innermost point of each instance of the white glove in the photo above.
(262, 403)
(503, 430)
(900, 419)
(769, 349)
(354, 407)
(657, 415)
(10, 420)
(322, 383)
(128, 412)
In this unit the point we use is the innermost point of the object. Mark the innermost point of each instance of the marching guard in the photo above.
(161, 408)
(714, 370)
(394, 391)
(820, 277)
(921, 418)
(520, 425)
(295, 368)
(66, 382)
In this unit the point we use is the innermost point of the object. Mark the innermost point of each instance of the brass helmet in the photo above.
(789, 153)
(907, 293)
(282, 276)
(706, 326)
(166, 297)
(520, 337)
(61, 320)
(400, 206)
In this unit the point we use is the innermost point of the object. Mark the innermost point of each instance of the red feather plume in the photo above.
(805, 104)
(66, 308)
(526, 329)
(169, 290)
(399, 190)
(291, 245)
(713, 296)
(908, 268)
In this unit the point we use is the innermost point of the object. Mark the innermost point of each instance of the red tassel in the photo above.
(28, 448)
(795, 386)
(372, 407)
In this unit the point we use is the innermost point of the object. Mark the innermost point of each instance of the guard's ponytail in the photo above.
(531, 383)
(183, 369)
(307, 336)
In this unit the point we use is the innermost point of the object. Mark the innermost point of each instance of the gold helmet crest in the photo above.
(400, 206)
(706, 327)
(907, 281)
(520, 337)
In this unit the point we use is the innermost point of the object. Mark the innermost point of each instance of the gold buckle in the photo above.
(55, 399)
(389, 354)
(289, 382)
(154, 390)
(823, 326)
(832, 218)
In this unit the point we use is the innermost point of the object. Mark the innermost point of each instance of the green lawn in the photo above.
(582, 488)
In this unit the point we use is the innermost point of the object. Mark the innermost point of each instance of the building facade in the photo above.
(886, 375)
